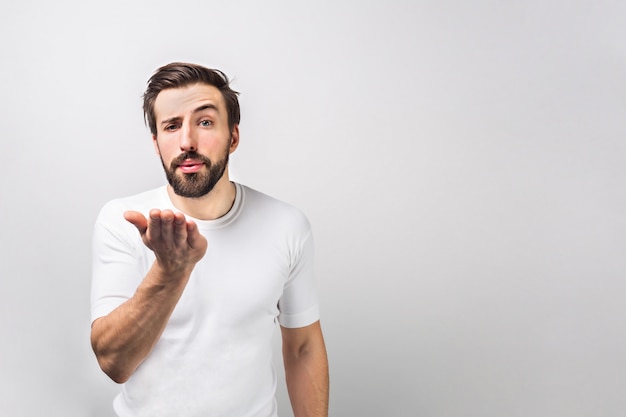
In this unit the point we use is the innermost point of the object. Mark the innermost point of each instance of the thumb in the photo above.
(137, 219)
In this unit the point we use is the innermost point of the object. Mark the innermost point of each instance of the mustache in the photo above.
(190, 155)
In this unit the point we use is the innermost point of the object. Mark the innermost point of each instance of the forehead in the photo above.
(176, 102)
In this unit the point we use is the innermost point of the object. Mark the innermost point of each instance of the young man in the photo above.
(189, 279)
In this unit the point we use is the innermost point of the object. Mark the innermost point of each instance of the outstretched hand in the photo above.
(175, 241)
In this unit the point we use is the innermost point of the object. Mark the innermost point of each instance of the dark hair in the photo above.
(180, 74)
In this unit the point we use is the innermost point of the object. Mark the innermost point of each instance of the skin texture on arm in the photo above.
(306, 370)
(123, 339)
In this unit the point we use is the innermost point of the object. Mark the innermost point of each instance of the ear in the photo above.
(156, 145)
(234, 138)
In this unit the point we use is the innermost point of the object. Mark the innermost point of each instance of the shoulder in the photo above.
(273, 210)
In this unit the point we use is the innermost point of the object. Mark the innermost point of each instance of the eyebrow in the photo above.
(202, 108)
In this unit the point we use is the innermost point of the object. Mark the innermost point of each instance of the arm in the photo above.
(306, 370)
(125, 337)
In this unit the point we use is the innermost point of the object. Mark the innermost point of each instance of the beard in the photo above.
(197, 184)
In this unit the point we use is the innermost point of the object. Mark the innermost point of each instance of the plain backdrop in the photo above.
(462, 164)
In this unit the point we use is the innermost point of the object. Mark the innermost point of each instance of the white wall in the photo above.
(462, 164)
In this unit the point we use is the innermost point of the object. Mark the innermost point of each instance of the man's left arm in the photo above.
(306, 370)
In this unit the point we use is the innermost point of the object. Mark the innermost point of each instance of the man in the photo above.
(190, 279)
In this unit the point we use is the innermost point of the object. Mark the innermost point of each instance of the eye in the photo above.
(171, 127)
(206, 123)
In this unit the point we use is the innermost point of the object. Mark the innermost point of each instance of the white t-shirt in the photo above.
(215, 356)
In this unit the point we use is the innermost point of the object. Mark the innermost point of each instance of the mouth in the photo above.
(190, 166)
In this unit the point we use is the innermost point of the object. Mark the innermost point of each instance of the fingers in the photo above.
(159, 226)
(167, 227)
(180, 229)
(164, 228)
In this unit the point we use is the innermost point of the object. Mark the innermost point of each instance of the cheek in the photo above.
(165, 149)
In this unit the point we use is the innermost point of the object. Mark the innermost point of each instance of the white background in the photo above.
(462, 164)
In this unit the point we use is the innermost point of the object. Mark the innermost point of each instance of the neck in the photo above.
(210, 206)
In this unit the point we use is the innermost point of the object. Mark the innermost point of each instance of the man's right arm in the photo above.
(124, 338)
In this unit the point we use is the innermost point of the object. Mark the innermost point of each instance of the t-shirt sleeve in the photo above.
(115, 274)
(299, 304)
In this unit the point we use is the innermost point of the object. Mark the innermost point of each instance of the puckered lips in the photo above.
(190, 166)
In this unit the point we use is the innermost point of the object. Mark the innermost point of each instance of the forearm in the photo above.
(307, 381)
(125, 337)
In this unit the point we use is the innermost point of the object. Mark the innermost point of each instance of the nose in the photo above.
(188, 140)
